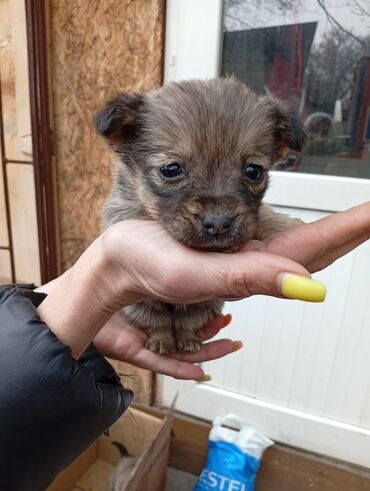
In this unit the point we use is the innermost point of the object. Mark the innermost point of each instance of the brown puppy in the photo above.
(195, 156)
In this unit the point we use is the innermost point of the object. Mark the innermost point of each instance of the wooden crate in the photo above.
(145, 436)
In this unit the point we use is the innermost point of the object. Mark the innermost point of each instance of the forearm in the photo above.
(81, 301)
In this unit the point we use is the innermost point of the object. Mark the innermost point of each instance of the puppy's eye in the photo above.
(172, 171)
(253, 172)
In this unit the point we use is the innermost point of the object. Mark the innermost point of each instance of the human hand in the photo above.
(119, 340)
(314, 245)
(147, 263)
(137, 260)
(318, 244)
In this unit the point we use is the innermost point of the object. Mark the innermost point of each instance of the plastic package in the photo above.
(234, 456)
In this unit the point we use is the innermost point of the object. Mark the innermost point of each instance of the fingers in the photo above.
(180, 365)
(254, 246)
(210, 351)
(185, 275)
(214, 326)
(167, 365)
(251, 273)
(346, 225)
(322, 261)
(318, 244)
(243, 274)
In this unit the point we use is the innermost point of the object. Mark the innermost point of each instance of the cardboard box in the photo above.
(145, 436)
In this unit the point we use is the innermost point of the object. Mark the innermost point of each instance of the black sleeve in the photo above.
(52, 407)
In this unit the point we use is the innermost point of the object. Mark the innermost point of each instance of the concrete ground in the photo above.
(179, 480)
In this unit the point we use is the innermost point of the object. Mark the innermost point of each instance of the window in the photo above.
(316, 55)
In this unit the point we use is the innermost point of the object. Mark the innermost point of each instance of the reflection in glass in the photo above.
(315, 54)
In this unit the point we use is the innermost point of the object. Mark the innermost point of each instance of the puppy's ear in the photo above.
(119, 120)
(288, 129)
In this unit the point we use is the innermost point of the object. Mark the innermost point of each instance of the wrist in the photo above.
(84, 298)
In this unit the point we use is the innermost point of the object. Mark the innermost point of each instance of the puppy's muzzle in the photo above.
(217, 225)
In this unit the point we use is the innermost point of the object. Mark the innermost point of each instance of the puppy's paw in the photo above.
(189, 343)
(161, 343)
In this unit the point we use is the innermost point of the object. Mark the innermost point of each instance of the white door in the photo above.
(303, 377)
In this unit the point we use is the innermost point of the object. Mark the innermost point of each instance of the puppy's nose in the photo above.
(216, 225)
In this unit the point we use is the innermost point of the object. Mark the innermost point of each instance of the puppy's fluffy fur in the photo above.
(195, 156)
(122, 472)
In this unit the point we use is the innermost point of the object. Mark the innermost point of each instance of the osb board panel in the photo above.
(97, 48)
(139, 380)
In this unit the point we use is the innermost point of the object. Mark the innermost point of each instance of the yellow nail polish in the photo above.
(205, 378)
(302, 288)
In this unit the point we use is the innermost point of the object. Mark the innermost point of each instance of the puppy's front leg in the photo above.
(155, 318)
(270, 222)
(188, 319)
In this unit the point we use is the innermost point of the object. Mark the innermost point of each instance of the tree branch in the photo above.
(361, 9)
(337, 24)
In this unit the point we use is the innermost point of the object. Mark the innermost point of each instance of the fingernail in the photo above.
(205, 378)
(227, 319)
(237, 345)
(302, 288)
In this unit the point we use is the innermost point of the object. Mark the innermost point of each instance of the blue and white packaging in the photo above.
(234, 456)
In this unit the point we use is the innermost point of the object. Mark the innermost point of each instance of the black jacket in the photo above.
(52, 407)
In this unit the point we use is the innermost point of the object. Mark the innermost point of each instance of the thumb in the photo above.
(244, 274)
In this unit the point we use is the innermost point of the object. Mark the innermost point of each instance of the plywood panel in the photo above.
(24, 222)
(4, 240)
(22, 99)
(5, 271)
(14, 80)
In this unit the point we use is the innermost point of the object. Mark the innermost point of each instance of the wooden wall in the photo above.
(96, 48)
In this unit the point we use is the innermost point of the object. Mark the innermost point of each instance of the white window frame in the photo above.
(193, 49)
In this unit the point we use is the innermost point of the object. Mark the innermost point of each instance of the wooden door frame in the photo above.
(43, 152)
(42, 148)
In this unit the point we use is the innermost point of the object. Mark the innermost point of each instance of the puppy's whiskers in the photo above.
(195, 157)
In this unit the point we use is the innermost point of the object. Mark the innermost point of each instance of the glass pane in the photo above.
(316, 54)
